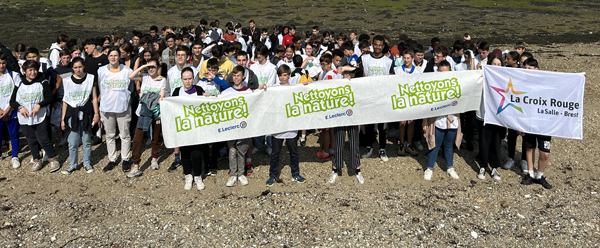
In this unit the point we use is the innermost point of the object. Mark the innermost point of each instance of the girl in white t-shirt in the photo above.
(152, 82)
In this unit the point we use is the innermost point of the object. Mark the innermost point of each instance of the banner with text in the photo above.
(533, 101)
(323, 104)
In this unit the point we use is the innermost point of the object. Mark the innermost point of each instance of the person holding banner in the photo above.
(407, 127)
(531, 141)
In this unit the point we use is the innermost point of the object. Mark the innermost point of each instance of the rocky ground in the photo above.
(394, 208)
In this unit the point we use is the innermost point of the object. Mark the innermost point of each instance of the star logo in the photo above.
(501, 92)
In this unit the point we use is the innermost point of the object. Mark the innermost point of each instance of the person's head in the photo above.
(458, 48)
(520, 47)
(524, 56)
(440, 53)
(152, 68)
(203, 23)
(89, 46)
(182, 55)
(264, 33)
(435, 41)
(3, 60)
(170, 40)
(126, 50)
(495, 59)
(135, 39)
(483, 49)
(31, 67)
(78, 67)
(512, 59)
(347, 48)
(153, 31)
(238, 74)
(340, 39)
(105, 50)
(292, 30)
(20, 51)
(466, 37)
(402, 38)
(378, 44)
(419, 53)
(62, 40)
(316, 40)
(64, 56)
(284, 73)
(187, 77)
(297, 60)
(217, 52)
(251, 24)
(212, 66)
(408, 56)
(75, 51)
(280, 51)
(146, 55)
(308, 48)
(197, 47)
(326, 36)
(262, 53)
(32, 53)
(106, 41)
(228, 50)
(365, 47)
(118, 38)
(241, 59)
(289, 51)
(326, 62)
(285, 30)
(338, 56)
(297, 42)
(315, 30)
(531, 64)
(178, 39)
(444, 66)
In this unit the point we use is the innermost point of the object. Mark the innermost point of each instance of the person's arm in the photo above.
(13, 99)
(224, 85)
(96, 119)
(136, 65)
(167, 87)
(59, 81)
(64, 113)
(306, 61)
(135, 75)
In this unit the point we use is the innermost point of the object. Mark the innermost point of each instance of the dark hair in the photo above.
(283, 69)
(418, 49)
(31, 64)
(2, 56)
(292, 27)
(458, 45)
(170, 36)
(379, 38)
(154, 28)
(326, 34)
(241, 53)
(527, 54)
(217, 51)
(32, 50)
(62, 38)
(187, 69)
(178, 37)
(198, 42)
(492, 56)
(127, 47)
(444, 63)
(76, 60)
(315, 28)
(441, 49)
(435, 40)
(20, 48)
(531, 62)
(118, 36)
(203, 22)
(89, 41)
(484, 46)
(347, 45)
(296, 39)
(155, 61)
(515, 56)
(64, 52)
(237, 69)
(409, 52)
(279, 49)
(251, 21)
(297, 59)
(183, 48)
(262, 50)
(338, 53)
(326, 58)
(362, 37)
(212, 64)
(363, 44)
(114, 48)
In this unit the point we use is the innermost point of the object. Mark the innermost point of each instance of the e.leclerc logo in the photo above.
(348, 113)
(242, 125)
(452, 104)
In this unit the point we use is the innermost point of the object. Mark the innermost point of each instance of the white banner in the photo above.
(323, 104)
(533, 101)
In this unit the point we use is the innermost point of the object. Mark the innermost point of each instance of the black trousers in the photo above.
(467, 126)
(339, 134)
(512, 145)
(37, 137)
(370, 133)
(191, 160)
(490, 139)
(210, 157)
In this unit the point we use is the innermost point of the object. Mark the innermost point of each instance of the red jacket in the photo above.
(287, 39)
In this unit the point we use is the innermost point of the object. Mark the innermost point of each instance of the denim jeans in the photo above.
(446, 138)
(76, 137)
(259, 141)
(292, 145)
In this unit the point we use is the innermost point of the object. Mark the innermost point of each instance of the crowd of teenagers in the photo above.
(114, 87)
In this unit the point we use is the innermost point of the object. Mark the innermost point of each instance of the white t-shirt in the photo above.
(376, 66)
(442, 122)
(174, 77)
(266, 74)
(7, 85)
(28, 96)
(150, 86)
(287, 134)
(77, 95)
(231, 90)
(403, 70)
(330, 75)
(482, 61)
(210, 87)
(114, 89)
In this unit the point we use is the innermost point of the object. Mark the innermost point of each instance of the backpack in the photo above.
(214, 36)
(304, 77)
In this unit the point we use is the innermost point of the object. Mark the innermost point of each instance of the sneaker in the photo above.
(154, 164)
(298, 179)
(88, 169)
(199, 183)
(269, 151)
(411, 150)
(249, 169)
(495, 175)
(148, 142)
(509, 164)
(302, 142)
(542, 181)
(54, 165)
(332, 177)
(36, 165)
(126, 165)
(402, 150)
(321, 155)
(368, 153)
(255, 150)
(68, 171)
(174, 165)
(135, 172)
(243, 180)
(189, 179)
(212, 172)
(428, 174)
(481, 174)
(382, 155)
(111, 165)
(452, 173)
(527, 180)
(231, 181)
(418, 145)
(360, 178)
(96, 140)
(15, 162)
(44, 156)
(271, 181)
(524, 166)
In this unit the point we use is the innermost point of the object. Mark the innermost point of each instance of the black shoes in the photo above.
(527, 180)
(111, 165)
(542, 181)
(174, 166)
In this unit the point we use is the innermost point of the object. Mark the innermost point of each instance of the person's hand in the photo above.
(62, 125)
(99, 98)
(305, 83)
(2, 113)
(206, 94)
(479, 66)
(96, 119)
(262, 87)
(520, 133)
(35, 110)
(140, 94)
(425, 128)
(24, 112)
(209, 75)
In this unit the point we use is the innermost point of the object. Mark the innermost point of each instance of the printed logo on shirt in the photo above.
(263, 80)
(423, 93)
(212, 92)
(376, 71)
(210, 113)
(176, 83)
(76, 96)
(151, 90)
(30, 97)
(114, 84)
(6, 90)
(320, 100)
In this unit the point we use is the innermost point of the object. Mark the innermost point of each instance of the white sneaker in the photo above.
(368, 152)
(452, 173)
(524, 166)
(509, 164)
(360, 178)
(382, 155)
(428, 174)
(481, 174)
(44, 156)
(231, 181)
(199, 183)
(154, 164)
(243, 180)
(332, 177)
(255, 150)
(418, 146)
(269, 150)
(16, 163)
(495, 175)
(189, 179)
